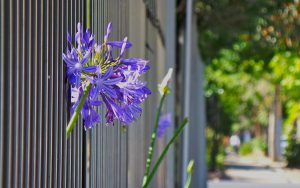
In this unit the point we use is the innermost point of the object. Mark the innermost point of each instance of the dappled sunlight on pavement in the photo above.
(256, 171)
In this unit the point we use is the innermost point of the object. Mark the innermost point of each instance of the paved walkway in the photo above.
(255, 172)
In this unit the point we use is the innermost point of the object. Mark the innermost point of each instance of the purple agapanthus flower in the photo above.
(75, 65)
(115, 82)
(163, 124)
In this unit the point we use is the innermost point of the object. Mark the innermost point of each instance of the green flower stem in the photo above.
(163, 154)
(88, 13)
(153, 139)
(78, 109)
(190, 170)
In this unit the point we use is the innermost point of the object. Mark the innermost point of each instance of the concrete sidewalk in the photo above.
(256, 171)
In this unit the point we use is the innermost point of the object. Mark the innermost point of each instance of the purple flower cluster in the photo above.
(115, 81)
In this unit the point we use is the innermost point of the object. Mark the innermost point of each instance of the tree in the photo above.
(240, 42)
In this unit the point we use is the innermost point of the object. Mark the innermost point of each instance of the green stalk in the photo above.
(190, 170)
(163, 154)
(77, 111)
(153, 139)
(88, 13)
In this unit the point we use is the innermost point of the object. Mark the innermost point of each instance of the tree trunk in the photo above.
(275, 126)
(215, 139)
(214, 152)
(257, 127)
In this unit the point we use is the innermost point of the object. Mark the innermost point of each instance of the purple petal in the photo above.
(109, 27)
(70, 70)
(90, 117)
(78, 80)
(131, 113)
(146, 90)
(86, 35)
(90, 69)
(69, 38)
(109, 116)
(95, 92)
(113, 81)
(136, 64)
(92, 40)
(123, 47)
(108, 31)
(113, 110)
(68, 61)
(96, 103)
(86, 57)
(72, 79)
(119, 44)
(112, 93)
(108, 73)
(78, 35)
(129, 61)
(79, 27)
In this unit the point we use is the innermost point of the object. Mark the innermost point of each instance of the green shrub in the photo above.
(246, 149)
(260, 144)
(292, 151)
(220, 160)
(220, 155)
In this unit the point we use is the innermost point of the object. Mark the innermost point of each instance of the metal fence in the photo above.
(34, 106)
(108, 144)
(34, 109)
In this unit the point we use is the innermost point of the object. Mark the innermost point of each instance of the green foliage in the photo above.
(267, 26)
(223, 22)
(293, 111)
(220, 159)
(246, 149)
(292, 152)
(286, 72)
(249, 48)
(259, 144)
(220, 155)
(241, 94)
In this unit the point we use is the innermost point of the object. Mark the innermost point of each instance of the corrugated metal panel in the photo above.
(1, 85)
(197, 116)
(108, 144)
(170, 28)
(147, 44)
(34, 109)
(136, 139)
(155, 54)
(34, 106)
(193, 105)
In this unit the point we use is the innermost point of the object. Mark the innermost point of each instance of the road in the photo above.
(255, 172)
